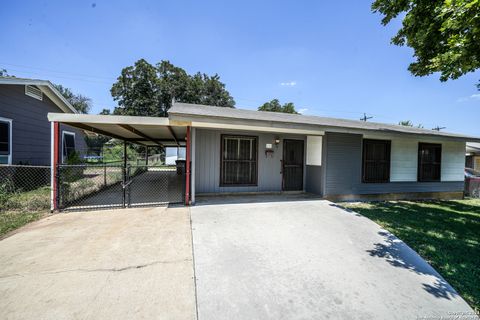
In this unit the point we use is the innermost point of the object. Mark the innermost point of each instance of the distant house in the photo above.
(25, 132)
(172, 154)
(472, 159)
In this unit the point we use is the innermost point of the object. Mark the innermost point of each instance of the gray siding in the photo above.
(343, 171)
(30, 126)
(207, 162)
(313, 179)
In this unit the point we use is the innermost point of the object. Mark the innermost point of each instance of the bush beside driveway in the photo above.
(445, 233)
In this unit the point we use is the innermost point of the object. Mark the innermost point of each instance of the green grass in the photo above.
(444, 233)
(21, 208)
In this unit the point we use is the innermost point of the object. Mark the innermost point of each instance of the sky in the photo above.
(330, 58)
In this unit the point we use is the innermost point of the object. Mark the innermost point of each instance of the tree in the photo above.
(80, 102)
(4, 73)
(105, 111)
(147, 90)
(275, 106)
(445, 35)
(408, 123)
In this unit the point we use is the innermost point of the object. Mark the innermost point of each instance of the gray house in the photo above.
(25, 131)
(243, 151)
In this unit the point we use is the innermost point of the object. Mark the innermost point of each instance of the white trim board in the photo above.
(10, 138)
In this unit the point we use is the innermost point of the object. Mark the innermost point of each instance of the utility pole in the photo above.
(437, 128)
(365, 118)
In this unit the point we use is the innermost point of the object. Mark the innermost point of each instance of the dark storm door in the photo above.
(292, 167)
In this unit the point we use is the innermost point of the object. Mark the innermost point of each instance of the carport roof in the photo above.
(150, 131)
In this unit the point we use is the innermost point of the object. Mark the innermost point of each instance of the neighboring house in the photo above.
(172, 154)
(235, 151)
(25, 131)
(472, 159)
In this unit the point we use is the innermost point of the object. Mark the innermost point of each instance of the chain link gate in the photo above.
(111, 186)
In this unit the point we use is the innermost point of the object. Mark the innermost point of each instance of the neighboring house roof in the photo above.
(473, 148)
(195, 112)
(47, 88)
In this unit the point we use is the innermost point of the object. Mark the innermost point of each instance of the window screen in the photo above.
(239, 160)
(429, 161)
(376, 160)
(68, 145)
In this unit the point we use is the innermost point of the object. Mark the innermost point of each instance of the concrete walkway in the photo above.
(118, 264)
(307, 259)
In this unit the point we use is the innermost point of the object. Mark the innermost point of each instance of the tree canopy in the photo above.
(147, 90)
(80, 102)
(444, 34)
(275, 106)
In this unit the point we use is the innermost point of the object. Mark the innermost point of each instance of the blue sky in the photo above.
(330, 58)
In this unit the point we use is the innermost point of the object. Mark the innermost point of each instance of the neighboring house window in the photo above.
(68, 145)
(5, 141)
(239, 160)
(376, 161)
(429, 161)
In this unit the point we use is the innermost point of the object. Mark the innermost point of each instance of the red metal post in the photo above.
(187, 169)
(56, 157)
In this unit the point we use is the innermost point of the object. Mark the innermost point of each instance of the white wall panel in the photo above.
(314, 150)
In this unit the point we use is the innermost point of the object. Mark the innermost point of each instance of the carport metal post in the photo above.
(124, 173)
(187, 169)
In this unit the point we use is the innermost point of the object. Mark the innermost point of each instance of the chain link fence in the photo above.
(472, 187)
(105, 186)
(24, 188)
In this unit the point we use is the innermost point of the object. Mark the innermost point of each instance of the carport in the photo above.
(122, 185)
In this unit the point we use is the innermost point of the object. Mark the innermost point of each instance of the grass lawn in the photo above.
(21, 208)
(444, 233)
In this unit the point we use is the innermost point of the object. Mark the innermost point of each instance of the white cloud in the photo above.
(475, 96)
(303, 110)
(288, 84)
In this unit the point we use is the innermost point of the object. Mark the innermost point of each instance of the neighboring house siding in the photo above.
(343, 172)
(207, 162)
(30, 126)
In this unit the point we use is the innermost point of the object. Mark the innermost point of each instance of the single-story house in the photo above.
(472, 159)
(244, 151)
(25, 132)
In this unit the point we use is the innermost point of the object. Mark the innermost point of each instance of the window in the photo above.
(239, 161)
(5, 141)
(429, 161)
(68, 145)
(376, 161)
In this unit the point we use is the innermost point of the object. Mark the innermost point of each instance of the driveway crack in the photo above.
(113, 270)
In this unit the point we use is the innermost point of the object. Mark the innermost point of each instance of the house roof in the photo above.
(473, 148)
(47, 88)
(195, 112)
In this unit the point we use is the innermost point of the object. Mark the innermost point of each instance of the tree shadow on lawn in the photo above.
(399, 255)
(445, 233)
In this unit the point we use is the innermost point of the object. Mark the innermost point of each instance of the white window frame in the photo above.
(64, 132)
(10, 146)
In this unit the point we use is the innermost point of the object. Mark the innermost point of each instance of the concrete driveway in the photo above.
(307, 259)
(119, 264)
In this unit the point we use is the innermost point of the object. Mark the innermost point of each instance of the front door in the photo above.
(292, 167)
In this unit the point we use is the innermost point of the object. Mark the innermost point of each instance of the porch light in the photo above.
(277, 141)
